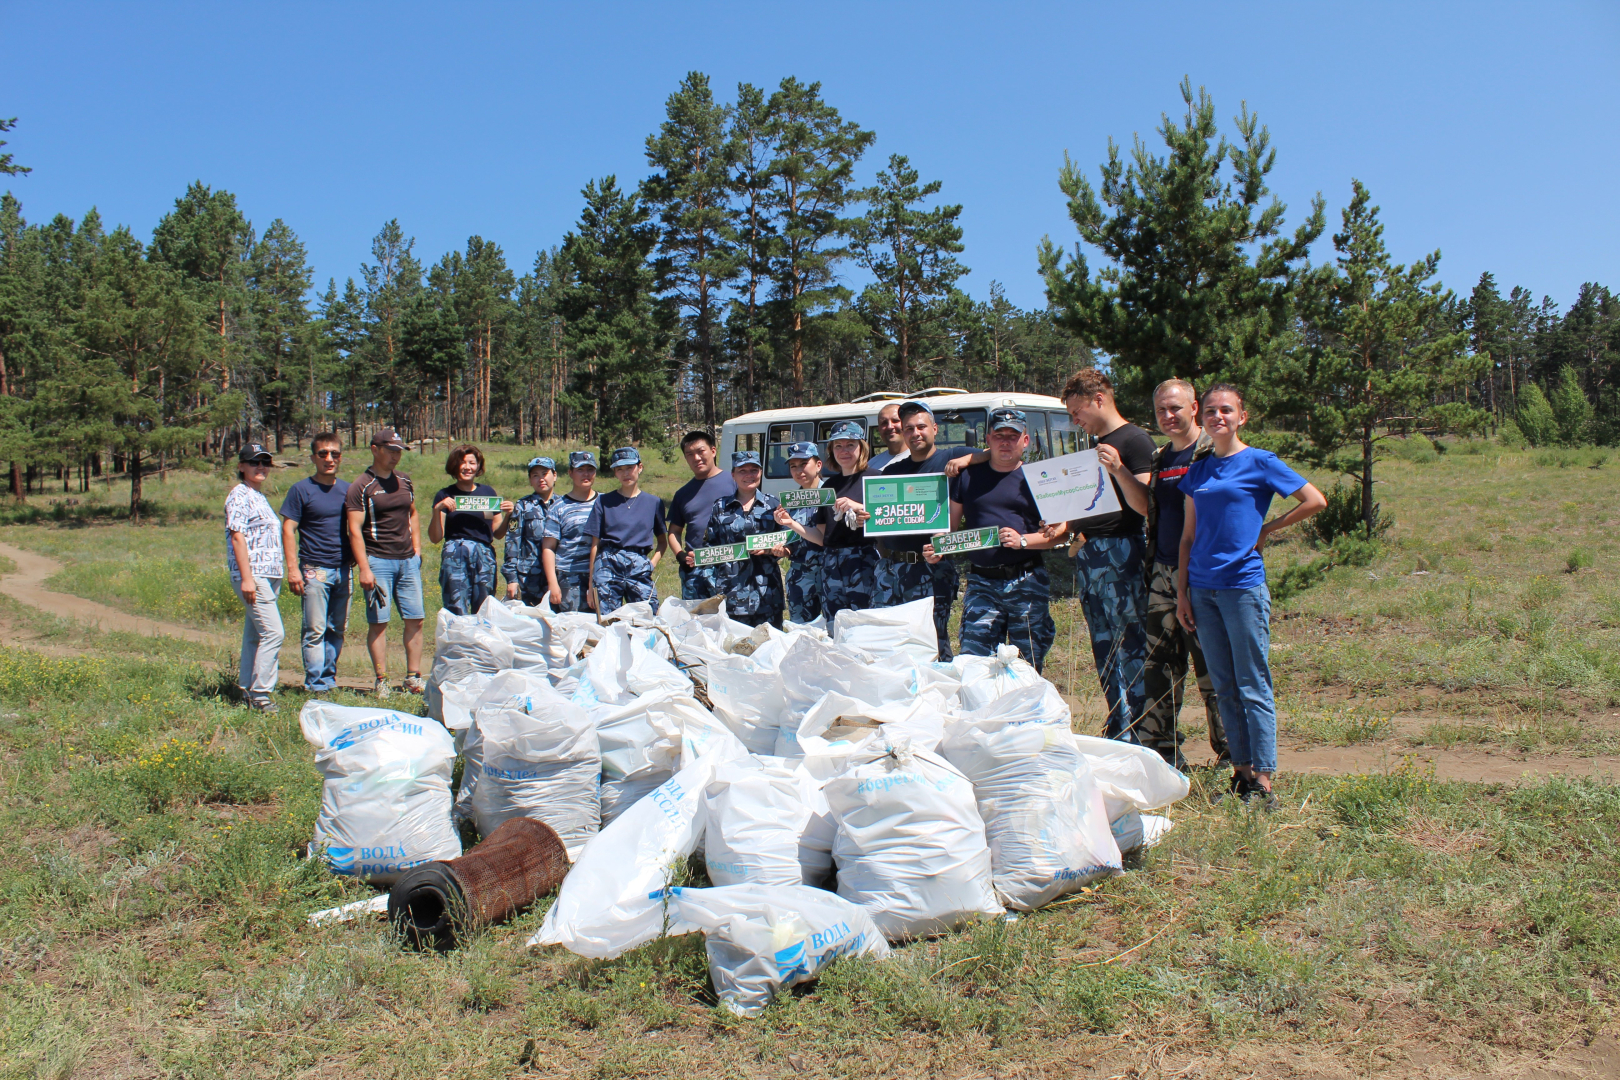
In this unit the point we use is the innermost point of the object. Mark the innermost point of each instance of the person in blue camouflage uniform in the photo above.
(1008, 590)
(521, 565)
(848, 558)
(804, 552)
(628, 537)
(753, 586)
(467, 560)
(566, 552)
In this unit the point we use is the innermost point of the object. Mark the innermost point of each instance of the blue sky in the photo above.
(1489, 131)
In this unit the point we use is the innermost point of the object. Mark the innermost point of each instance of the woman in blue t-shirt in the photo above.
(467, 563)
(1222, 588)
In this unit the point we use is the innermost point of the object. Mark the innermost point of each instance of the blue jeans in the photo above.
(1234, 629)
(399, 583)
(326, 617)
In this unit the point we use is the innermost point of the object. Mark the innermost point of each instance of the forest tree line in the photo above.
(722, 282)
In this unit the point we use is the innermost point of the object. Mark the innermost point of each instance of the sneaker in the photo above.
(381, 688)
(260, 705)
(1265, 800)
(1238, 787)
(414, 684)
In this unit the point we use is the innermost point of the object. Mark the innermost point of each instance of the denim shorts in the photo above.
(399, 583)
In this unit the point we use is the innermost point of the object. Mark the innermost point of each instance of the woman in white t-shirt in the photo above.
(253, 540)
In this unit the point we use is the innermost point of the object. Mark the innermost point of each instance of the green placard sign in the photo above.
(766, 541)
(478, 504)
(955, 543)
(720, 553)
(902, 505)
(798, 498)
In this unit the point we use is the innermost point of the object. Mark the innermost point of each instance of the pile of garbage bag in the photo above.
(843, 789)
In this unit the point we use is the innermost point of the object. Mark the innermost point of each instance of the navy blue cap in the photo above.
(745, 457)
(911, 408)
(846, 429)
(581, 458)
(1010, 418)
(542, 463)
(624, 455)
(803, 451)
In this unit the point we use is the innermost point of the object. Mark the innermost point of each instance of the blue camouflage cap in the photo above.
(541, 463)
(803, 451)
(911, 408)
(1016, 419)
(745, 457)
(579, 459)
(846, 429)
(624, 455)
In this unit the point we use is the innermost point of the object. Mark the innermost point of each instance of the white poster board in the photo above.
(1074, 487)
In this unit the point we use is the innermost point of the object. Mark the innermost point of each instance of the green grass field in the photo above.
(1387, 921)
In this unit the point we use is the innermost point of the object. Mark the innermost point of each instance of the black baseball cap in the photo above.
(255, 453)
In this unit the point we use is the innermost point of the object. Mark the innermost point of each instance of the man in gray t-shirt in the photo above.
(690, 509)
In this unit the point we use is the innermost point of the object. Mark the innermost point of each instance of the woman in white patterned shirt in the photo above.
(253, 539)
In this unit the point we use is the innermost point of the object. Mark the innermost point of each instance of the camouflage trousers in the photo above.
(696, 583)
(466, 575)
(622, 577)
(574, 588)
(1108, 576)
(1164, 673)
(804, 588)
(752, 587)
(532, 587)
(1016, 611)
(902, 582)
(847, 579)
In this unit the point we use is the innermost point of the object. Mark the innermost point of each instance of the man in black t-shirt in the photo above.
(1008, 595)
(902, 574)
(1108, 563)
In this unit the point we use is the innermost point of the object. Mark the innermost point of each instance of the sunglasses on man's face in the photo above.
(329, 453)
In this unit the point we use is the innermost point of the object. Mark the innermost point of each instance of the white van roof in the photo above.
(937, 397)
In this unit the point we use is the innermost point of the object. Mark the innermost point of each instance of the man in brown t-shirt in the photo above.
(385, 536)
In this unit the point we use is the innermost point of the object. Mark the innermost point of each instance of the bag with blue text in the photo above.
(385, 799)
(762, 938)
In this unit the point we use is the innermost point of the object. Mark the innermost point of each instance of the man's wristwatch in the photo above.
(1023, 541)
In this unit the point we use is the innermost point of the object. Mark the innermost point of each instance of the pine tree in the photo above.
(207, 241)
(697, 245)
(811, 177)
(1535, 416)
(1181, 297)
(908, 250)
(391, 282)
(8, 166)
(341, 332)
(483, 295)
(753, 153)
(278, 279)
(617, 332)
(22, 335)
(540, 329)
(1383, 347)
(1571, 411)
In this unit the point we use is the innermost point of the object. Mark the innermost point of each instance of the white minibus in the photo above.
(962, 418)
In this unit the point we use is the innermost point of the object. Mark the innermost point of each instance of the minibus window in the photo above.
(960, 427)
(782, 438)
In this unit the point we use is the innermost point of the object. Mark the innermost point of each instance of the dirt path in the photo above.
(27, 586)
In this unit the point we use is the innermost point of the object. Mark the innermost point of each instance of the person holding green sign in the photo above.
(848, 556)
(467, 563)
(804, 554)
(1008, 595)
(903, 575)
(752, 585)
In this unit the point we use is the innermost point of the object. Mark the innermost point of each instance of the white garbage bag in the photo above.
(463, 646)
(920, 720)
(813, 668)
(530, 645)
(905, 630)
(385, 795)
(756, 816)
(534, 754)
(614, 898)
(640, 749)
(1131, 777)
(910, 845)
(762, 938)
(986, 678)
(1043, 813)
(748, 699)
